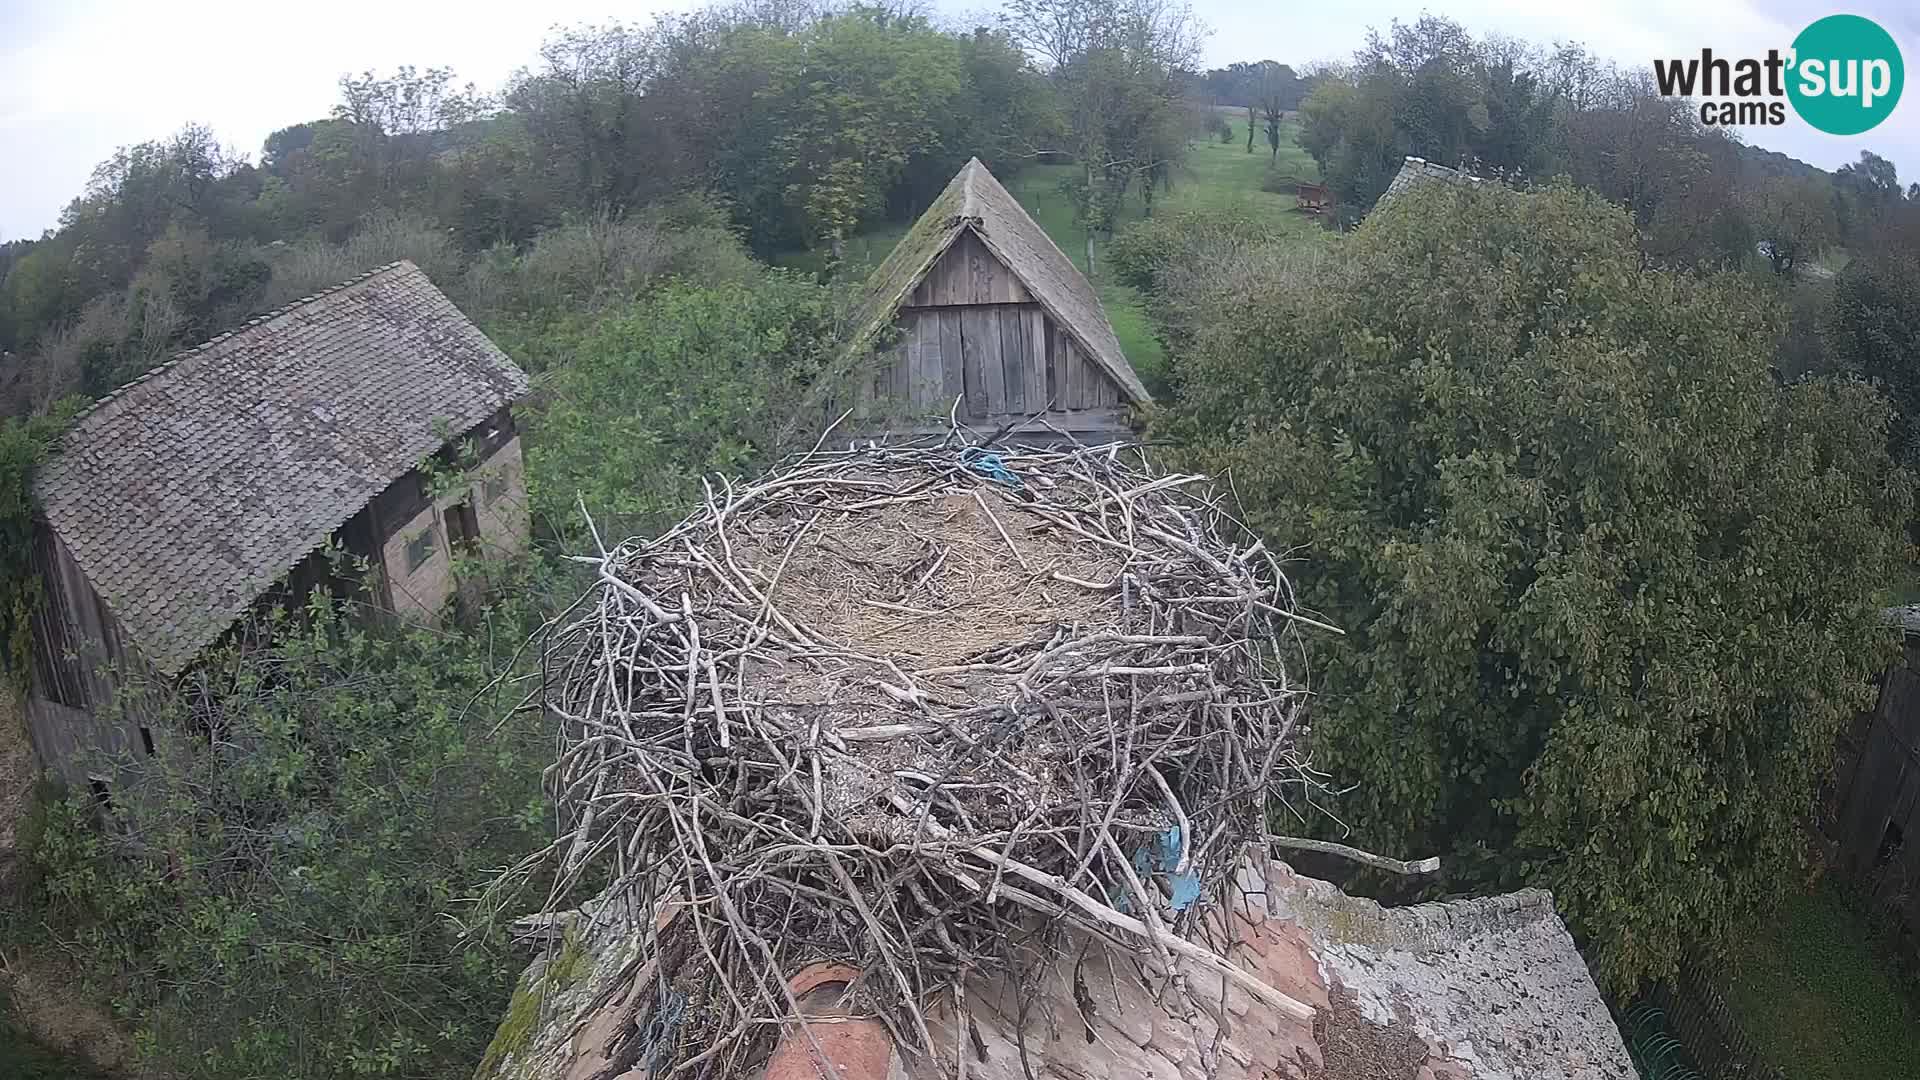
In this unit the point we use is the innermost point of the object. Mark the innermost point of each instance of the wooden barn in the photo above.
(977, 315)
(372, 418)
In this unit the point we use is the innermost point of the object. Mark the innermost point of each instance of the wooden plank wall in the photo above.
(78, 647)
(971, 331)
(968, 274)
(998, 358)
(1710, 1035)
(1878, 820)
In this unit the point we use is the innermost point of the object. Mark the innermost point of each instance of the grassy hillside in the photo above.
(1215, 175)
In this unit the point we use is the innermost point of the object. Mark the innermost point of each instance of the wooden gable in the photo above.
(971, 331)
(968, 274)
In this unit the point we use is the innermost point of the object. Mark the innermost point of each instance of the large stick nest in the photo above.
(921, 711)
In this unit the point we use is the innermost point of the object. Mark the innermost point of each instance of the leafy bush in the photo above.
(1205, 265)
(277, 897)
(1218, 127)
(688, 381)
(1608, 588)
(304, 268)
(1871, 327)
(605, 260)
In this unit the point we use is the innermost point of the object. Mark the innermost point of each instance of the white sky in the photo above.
(81, 77)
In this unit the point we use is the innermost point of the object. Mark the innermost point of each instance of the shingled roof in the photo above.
(974, 200)
(1416, 171)
(187, 493)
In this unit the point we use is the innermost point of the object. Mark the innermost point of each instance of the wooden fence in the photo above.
(1698, 1016)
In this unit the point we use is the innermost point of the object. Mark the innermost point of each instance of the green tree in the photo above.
(1608, 588)
(859, 94)
(1794, 218)
(689, 382)
(1119, 71)
(1871, 327)
(280, 890)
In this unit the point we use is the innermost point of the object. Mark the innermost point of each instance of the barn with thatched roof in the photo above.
(977, 317)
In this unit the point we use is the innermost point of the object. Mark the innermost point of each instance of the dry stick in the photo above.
(908, 991)
(1108, 916)
(1179, 816)
(997, 527)
(1365, 858)
(772, 974)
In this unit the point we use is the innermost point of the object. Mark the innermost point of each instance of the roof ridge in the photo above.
(184, 355)
(969, 196)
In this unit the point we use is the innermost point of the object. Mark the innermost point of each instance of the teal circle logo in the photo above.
(1846, 74)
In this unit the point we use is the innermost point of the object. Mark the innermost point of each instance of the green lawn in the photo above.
(1215, 175)
(1811, 989)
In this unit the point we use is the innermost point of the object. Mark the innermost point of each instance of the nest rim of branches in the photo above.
(772, 731)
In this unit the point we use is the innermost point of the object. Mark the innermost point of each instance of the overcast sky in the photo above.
(81, 77)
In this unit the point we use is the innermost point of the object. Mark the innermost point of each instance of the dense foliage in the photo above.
(280, 891)
(693, 381)
(1501, 108)
(1871, 326)
(1607, 585)
(803, 126)
(1252, 85)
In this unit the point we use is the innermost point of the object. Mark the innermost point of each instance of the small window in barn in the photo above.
(463, 528)
(1890, 843)
(421, 547)
(146, 739)
(102, 794)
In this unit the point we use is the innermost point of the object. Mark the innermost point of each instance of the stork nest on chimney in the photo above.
(921, 711)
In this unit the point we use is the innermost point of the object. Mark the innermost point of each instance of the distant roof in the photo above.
(974, 200)
(185, 494)
(1416, 171)
(1906, 617)
(1481, 989)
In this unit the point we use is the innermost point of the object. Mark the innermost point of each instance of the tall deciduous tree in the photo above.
(861, 94)
(1871, 327)
(1119, 69)
(1608, 588)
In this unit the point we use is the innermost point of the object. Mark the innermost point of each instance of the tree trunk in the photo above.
(1091, 225)
(1249, 129)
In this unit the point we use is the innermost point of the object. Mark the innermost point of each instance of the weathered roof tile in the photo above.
(185, 494)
